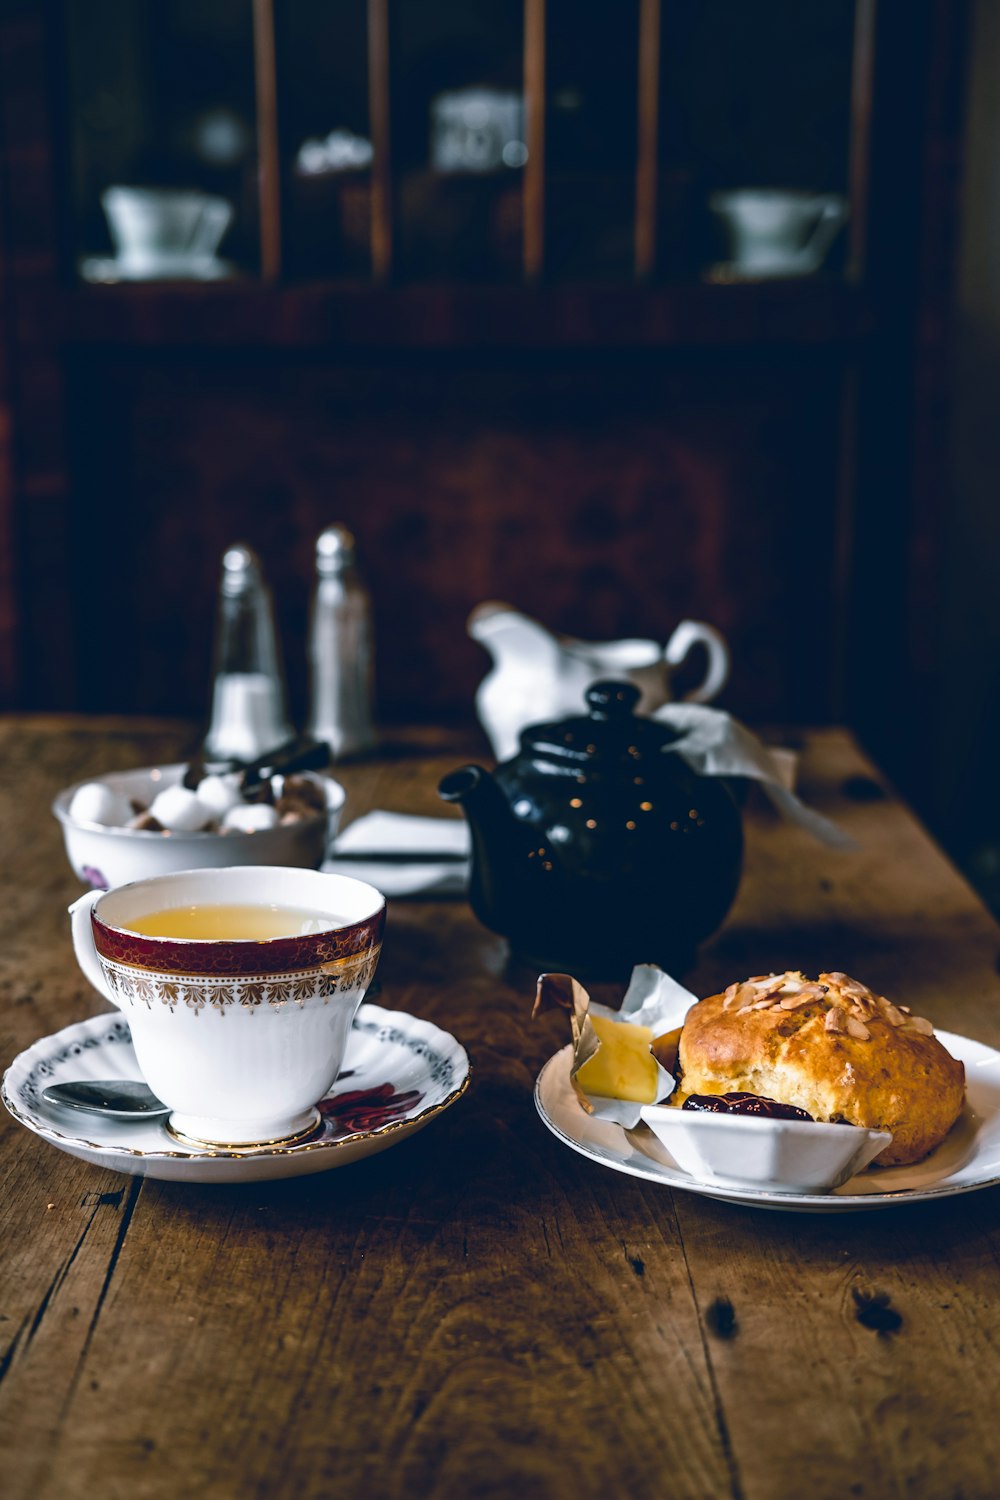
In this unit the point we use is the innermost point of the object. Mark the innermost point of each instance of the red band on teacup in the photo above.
(243, 957)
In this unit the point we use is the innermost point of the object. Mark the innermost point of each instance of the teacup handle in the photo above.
(832, 214)
(83, 944)
(688, 634)
(216, 216)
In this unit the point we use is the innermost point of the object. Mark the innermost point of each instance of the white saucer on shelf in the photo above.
(774, 270)
(109, 268)
(398, 1074)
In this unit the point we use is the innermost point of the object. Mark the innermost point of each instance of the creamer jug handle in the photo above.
(691, 633)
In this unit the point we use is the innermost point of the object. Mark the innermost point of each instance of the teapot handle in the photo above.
(691, 633)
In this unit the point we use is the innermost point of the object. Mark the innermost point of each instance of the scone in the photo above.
(832, 1048)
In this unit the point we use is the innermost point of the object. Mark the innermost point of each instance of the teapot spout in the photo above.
(483, 803)
(463, 785)
(493, 831)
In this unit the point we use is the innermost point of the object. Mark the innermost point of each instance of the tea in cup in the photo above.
(240, 987)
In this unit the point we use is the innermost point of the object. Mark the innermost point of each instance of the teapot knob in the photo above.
(612, 700)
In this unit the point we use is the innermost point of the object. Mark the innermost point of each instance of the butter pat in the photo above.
(623, 1066)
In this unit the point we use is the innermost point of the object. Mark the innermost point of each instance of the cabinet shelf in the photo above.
(245, 313)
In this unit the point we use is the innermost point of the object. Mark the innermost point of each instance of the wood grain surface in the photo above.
(480, 1312)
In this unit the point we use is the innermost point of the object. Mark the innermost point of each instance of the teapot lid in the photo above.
(610, 730)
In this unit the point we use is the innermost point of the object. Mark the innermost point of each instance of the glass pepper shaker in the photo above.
(340, 648)
(249, 717)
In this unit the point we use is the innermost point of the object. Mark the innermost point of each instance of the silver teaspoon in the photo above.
(120, 1099)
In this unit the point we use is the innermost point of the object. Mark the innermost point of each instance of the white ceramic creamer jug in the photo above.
(538, 676)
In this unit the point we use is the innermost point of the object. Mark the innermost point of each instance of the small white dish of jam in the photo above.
(743, 1139)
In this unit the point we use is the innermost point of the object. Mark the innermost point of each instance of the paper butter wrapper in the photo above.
(652, 999)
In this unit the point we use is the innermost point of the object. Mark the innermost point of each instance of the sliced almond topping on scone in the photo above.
(741, 995)
(845, 983)
(836, 1019)
(764, 989)
(857, 1029)
(805, 996)
(892, 1014)
(920, 1024)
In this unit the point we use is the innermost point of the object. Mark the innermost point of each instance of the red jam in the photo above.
(744, 1104)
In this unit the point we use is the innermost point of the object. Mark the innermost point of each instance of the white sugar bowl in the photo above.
(109, 854)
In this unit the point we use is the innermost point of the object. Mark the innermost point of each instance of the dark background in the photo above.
(611, 444)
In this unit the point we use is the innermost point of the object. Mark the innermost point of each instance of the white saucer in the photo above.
(967, 1160)
(109, 269)
(398, 1074)
(776, 270)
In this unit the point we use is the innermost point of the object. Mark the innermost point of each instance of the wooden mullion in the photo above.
(647, 159)
(859, 167)
(381, 136)
(268, 155)
(534, 171)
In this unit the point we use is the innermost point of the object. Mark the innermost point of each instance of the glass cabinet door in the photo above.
(162, 138)
(458, 138)
(678, 139)
(325, 137)
(591, 138)
(754, 133)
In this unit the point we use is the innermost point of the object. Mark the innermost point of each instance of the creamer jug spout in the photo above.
(525, 681)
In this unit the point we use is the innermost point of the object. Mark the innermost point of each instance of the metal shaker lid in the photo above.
(335, 550)
(240, 569)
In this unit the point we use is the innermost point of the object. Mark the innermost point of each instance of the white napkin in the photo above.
(371, 839)
(716, 744)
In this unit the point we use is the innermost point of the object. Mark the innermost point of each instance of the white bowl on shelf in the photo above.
(104, 857)
(788, 1156)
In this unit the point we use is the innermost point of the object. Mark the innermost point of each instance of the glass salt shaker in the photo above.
(340, 649)
(249, 717)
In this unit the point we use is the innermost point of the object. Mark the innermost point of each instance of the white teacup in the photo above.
(164, 231)
(779, 232)
(240, 1037)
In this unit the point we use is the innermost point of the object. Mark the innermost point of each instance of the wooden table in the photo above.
(480, 1312)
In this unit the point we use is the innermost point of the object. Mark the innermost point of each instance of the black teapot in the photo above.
(597, 847)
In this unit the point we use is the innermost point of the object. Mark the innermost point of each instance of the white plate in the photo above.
(399, 1072)
(968, 1159)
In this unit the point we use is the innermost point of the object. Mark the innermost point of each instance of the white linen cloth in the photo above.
(716, 744)
(379, 842)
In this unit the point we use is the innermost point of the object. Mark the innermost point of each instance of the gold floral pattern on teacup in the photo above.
(219, 992)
